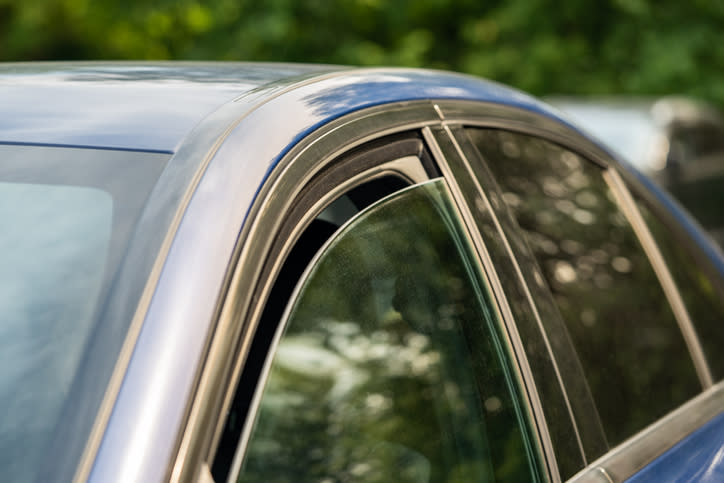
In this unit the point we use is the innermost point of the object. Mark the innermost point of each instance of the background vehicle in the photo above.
(679, 142)
(233, 272)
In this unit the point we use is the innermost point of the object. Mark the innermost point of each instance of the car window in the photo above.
(390, 361)
(67, 217)
(702, 296)
(54, 243)
(625, 334)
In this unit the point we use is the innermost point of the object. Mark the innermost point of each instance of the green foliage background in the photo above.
(541, 46)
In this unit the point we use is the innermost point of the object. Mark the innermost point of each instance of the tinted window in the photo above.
(702, 297)
(67, 216)
(390, 364)
(628, 341)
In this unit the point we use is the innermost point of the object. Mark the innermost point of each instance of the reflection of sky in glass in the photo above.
(629, 132)
(53, 246)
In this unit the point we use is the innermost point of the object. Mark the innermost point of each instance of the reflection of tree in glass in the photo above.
(703, 299)
(389, 368)
(627, 339)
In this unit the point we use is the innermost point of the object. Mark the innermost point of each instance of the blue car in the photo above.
(262, 272)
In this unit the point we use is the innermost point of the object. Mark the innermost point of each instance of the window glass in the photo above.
(54, 242)
(627, 339)
(390, 364)
(703, 300)
(66, 218)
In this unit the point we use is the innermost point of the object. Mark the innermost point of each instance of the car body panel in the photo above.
(122, 106)
(698, 457)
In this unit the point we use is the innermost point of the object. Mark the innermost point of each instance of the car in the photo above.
(677, 141)
(278, 272)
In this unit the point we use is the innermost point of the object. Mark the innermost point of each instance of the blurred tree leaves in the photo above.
(542, 46)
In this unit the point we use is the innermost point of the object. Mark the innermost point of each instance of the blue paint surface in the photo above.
(698, 457)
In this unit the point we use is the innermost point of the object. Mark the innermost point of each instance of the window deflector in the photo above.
(408, 168)
(434, 196)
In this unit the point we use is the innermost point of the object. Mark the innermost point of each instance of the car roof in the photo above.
(147, 106)
(154, 106)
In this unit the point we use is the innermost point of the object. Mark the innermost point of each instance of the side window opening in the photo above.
(319, 230)
(390, 362)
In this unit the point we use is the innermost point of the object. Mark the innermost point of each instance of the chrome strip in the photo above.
(514, 343)
(629, 209)
(604, 475)
(633, 454)
(595, 475)
(205, 474)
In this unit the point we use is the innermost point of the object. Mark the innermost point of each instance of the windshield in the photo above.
(67, 217)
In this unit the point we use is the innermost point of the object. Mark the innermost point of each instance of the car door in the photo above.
(374, 344)
(598, 271)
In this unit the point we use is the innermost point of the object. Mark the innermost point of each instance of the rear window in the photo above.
(67, 217)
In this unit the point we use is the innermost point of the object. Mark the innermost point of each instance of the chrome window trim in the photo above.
(636, 452)
(504, 313)
(238, 313)
(629, 208)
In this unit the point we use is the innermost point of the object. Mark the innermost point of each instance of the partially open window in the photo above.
(337, 194)
(388, 362)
